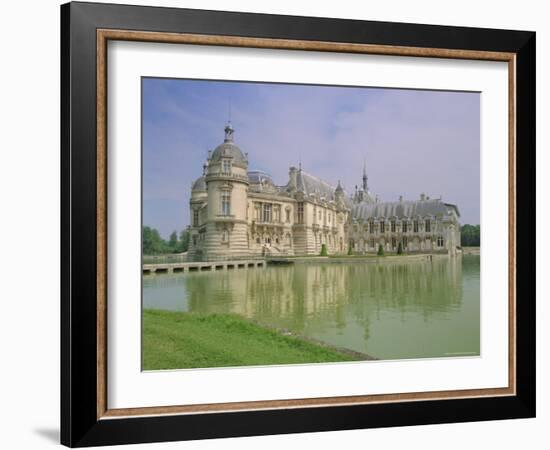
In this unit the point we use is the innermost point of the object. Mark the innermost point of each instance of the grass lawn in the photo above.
(174, 340)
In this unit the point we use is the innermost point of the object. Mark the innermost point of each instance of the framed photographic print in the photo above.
(277, 224)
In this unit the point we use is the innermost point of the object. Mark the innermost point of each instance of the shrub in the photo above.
(380, 250)
(400, 248)
(350, 250)
(324, 251)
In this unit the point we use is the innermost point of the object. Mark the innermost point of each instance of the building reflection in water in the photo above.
(388, 310)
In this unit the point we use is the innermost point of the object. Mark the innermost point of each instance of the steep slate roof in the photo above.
(309, 184)
(406, 208)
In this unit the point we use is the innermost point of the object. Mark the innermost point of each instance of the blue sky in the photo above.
(413, 141)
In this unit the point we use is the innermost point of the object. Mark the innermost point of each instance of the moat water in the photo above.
(391, 310)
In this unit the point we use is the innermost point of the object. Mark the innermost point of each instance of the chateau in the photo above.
(237, 213)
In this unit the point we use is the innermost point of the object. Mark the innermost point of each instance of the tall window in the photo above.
(288, 215)
(195, 217)
(404, 225)
(226, 204)
(428, 226)
(371, 227)
(267, 211)
(301, 212)
(382, 227)
(405, 242)
(393, 243)
(440, 241)
(226, 166)
(392, 226)
(415, 226)
(372, 243)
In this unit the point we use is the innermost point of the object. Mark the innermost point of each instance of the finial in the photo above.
(229, 132)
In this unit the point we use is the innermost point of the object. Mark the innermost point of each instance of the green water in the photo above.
(392, 310)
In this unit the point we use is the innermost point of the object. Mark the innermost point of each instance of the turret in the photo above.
(339, 194)
(227, 186)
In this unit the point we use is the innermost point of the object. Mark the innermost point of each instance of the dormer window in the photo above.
(226, 166)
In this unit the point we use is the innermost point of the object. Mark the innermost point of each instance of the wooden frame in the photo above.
(86, 418)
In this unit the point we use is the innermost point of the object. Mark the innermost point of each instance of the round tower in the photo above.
(227, 188)
(197, 209)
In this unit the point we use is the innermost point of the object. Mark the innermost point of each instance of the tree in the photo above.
(400, 248)
(183, 245)
(470, 235)
(380, 250)
(173, 242)
(152, 243)
(324, 251)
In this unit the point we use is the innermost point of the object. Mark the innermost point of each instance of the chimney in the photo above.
(293, 178)
(422, 196)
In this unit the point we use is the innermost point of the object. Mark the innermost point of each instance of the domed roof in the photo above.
(259, 177)
(229, 149)
(199, 184)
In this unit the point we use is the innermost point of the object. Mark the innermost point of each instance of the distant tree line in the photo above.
(154, 244)
(469, 235)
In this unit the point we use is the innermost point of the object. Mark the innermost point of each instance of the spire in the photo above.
(365, 178)
(339, 187)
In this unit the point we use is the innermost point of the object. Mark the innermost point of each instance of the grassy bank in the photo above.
(173, 340)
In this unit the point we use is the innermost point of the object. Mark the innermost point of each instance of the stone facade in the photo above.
(237, 213)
